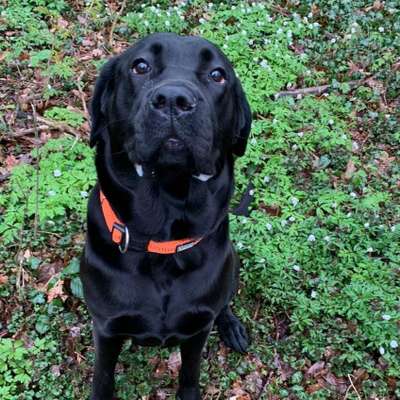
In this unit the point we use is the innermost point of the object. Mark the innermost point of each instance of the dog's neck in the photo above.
(168, 206)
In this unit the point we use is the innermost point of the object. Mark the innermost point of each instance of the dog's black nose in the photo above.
(172, 98)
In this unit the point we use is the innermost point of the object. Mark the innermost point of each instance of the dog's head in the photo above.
(171, 101)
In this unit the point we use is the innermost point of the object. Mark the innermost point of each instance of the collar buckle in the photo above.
(123, 242)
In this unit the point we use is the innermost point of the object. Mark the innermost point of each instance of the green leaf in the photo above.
(76, 287)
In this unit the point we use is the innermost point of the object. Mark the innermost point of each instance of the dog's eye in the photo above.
(218, 75)
(141, 67)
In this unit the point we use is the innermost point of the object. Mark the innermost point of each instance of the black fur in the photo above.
(164, 299)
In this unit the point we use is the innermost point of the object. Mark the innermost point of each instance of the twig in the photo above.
(318, 90)
(354, 388)
(57, 125)
(36, 220)
(110, 37)
(27, 131)
(82, 96)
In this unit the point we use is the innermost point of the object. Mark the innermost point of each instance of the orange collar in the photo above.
(120, 235)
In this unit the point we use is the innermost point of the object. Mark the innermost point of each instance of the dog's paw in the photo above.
(232, 332)
(188, 394)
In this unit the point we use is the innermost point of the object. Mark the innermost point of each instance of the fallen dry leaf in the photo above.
(48, 271)
(3, 279)
(174, 363)
(314, 388)
(56, 291)
(237, 392)
(350, 169)
(315, 368)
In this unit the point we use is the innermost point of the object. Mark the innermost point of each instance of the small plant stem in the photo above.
(37, 167)
(115, 20)
(353, 387)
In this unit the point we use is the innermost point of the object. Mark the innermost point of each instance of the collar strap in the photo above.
(120, 235)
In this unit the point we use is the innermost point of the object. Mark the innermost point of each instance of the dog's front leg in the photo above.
(107, 351)
(190, 371)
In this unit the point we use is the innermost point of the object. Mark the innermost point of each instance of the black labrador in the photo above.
(168, 116)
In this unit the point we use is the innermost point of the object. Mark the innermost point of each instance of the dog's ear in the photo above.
(102, 92)
(243, 121)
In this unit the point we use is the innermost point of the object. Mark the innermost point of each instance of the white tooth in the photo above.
(203, 177)
(139, 169)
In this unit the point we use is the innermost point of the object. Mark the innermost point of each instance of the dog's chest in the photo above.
(160, 303)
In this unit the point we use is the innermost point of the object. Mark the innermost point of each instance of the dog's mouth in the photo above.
(173, 153)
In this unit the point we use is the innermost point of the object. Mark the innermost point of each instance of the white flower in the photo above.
(284, 222)
(57, 173)
(355, 146)
(393, 228)
(202, 20)
(251, 193)
(331, 122)
(366, 225)
(354, 195)
(296, 268)
(394, 344)
(251, 42)
(259, 23)
(349, 214)
(244, 220)
(333, 40)
(381, 29)
(334, 204)
(253, 141)
(386, 317)
(381, 350)
(84, 193)
(353, 30)
(292, 219)
(294, 201)
(225, 46)
(268, 226)
(167, 23)
(51, 193)
(300, 134)
(344, 137)
(311, 238)
(294, 147)
(264, 64)
(267, 179)
(146, 23)
(370, 250)
(313, 294)
(279, 31)
(240, 245)
(327, 238)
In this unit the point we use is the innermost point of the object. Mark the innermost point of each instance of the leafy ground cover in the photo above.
(320, 247)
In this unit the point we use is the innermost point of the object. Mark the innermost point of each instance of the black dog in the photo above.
(167, 117)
